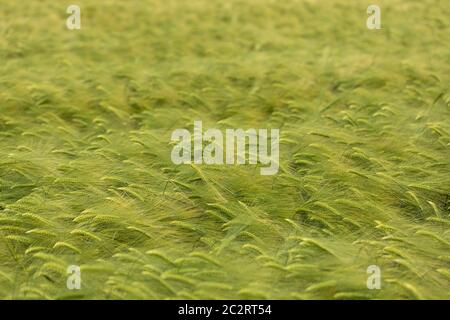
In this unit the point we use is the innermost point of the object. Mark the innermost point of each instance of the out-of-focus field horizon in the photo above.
(86, 177)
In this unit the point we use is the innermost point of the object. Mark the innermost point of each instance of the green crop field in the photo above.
(86, 176)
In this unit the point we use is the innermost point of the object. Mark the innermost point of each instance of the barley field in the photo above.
(86, 177)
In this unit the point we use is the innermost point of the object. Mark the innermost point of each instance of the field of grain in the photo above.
(86, 176)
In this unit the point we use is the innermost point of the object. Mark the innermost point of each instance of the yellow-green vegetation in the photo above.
(86, 176)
